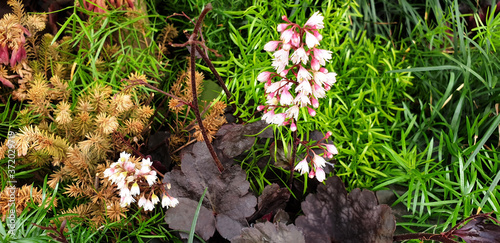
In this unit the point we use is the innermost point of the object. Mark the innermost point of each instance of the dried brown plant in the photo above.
(213, 116)
(17, 39)
(75, 137)
(23, 196)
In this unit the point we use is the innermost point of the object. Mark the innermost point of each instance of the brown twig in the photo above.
(194, 102)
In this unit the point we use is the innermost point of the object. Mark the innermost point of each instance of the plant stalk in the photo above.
(292, 160)
(194, 102)
(216, 74)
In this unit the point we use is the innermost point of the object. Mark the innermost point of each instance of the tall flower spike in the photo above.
(301, 80)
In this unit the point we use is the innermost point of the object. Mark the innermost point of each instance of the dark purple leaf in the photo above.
(227, 198)
(333, 216)
(236, 138)
(269, 232)
(272, 198)
(181, 217)
(476, 231)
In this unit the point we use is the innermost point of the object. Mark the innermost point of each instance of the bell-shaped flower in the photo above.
(299, 55)
(318, 161)
(302, 167)
(311, 40)
(315, 21)
(320, 174)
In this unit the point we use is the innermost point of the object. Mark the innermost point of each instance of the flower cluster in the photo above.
(317, 162)
(131, 176)
(308, 81)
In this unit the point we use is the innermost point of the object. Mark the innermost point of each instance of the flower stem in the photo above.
(194, 102)
(216, 74)
(292, 160)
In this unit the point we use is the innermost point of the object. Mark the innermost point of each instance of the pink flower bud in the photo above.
(315, 64)
(282, 27)
(328, 134)
(261, 107)
(331, 149)
(317, 35)
(293, 127)
(264, 76)
(314, 102)
(271, 45)
(312, 174)
(311, 111)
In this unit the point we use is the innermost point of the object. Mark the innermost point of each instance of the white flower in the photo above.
(144, 170)
(129, 166)
(146, 162)
(148, 205)
(303, 75)
(109, 172)
(311, 40)
(315, 21)
(125, 201)
(278, 119)
(286, 36)
(319, 162)
(286, 98)
(320, 174)
(301, 99)
(299, 55)
(305, 87)
(120, 177)
(320, 78)
(293, 112)
(315, 64)
(318, 91)
(268, 116)
(322, 56)
(142, 201)
(273, 87)
(154, 199)
(302, 167)
(165, 201)
(173, 202)
(295, 39)
(124, 192)
(151, 178)
(331, 78)
(135, 190)
(273, 101)
(124, 156)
